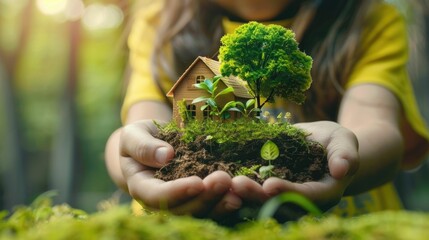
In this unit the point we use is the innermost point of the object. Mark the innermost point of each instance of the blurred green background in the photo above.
(62, 68)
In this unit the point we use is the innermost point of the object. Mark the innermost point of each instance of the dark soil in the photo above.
(297, 162)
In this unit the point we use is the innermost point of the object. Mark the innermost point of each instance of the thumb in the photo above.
(137, 142)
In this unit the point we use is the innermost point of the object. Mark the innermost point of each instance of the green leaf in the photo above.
(255, 110)
(203, 86)
(204, 107)
(209, 84)
(199, 99)
(269, 151)
(228, 106)
(225, 91)
(266, 171)
(235, 109)
(212, 103)
(250, 103)
(240, 105)
(269, 208)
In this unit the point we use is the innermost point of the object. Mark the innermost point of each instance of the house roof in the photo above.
(239, 86)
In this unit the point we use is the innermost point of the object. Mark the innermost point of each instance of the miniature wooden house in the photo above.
(199, 70)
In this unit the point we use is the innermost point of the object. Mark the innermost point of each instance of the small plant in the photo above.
(248, 171)
(267, 211)
(183, 111)
(269, 152)
(246, 109)
(210, 85)
(268, 58)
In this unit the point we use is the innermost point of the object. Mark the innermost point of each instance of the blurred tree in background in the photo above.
(62, 67)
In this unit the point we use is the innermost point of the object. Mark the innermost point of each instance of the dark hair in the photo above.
(328, 30)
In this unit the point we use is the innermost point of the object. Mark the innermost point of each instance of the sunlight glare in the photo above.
(51, 7)
(75, 10)
(102, 16)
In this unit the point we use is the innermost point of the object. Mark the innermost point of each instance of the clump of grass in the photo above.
(239, 131)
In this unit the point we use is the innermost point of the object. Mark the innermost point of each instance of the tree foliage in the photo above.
(268, 58)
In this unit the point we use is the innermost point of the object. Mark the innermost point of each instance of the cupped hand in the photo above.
(141, 154)
(343, 162)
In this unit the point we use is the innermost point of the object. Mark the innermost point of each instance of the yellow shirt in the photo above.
(383, 62)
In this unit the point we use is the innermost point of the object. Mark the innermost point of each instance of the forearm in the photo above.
(380, 155)
(112, 157)
(373, 114)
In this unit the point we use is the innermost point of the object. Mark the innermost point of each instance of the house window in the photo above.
(199, 79)
(206, 113)
(192, 110)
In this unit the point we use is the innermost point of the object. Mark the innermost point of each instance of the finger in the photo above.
(156, 193)
(248, 190)
(343, 156)
(228, 204)
(137, 142)
(216, 185)
(341, 145)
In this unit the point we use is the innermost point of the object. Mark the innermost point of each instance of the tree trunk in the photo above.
(14, 164)
(65, 163)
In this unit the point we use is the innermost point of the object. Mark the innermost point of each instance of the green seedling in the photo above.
(246, 109)
(248, 171)
(210, 86)
(269, 208)
(269, 152)
(183, 112)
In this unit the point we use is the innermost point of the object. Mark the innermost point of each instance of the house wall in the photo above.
(187, 91)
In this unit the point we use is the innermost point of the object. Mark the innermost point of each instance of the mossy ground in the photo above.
(202, 147)
(42, 220)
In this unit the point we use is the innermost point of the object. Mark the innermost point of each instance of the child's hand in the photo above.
(342, 148)
(343, 160)
(141, 153)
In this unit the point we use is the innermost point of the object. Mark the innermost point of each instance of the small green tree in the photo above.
(268, 58)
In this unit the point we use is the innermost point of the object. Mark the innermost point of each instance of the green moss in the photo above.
(44, 221)
(237, 131)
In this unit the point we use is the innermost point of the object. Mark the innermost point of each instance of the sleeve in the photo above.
(384, 62)
(141, 84)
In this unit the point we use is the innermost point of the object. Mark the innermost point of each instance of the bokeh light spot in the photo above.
(51, 7)
(102, 16)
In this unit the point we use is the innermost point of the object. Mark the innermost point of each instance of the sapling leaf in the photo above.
(212, 103)
(250, 103)
(266, 171)
(255, 110)
(228, 106)
(199, 99)
(209, 84)
(203, 86)
(240, 105)
(270, 151)
(225, 91)
(235, 109)
(270, 207)
(204, 107)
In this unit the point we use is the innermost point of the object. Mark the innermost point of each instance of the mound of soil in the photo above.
(296, 162)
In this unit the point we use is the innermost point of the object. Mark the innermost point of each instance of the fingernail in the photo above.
(161, 155)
